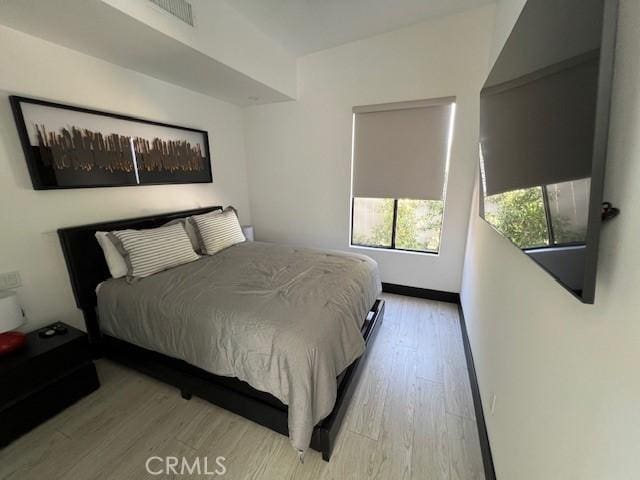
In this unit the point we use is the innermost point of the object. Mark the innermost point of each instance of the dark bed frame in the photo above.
(87, 268)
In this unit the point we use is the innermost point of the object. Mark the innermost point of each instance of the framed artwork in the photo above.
(72, 147)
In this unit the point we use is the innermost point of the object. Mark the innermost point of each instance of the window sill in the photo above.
(555, 248)
(394, 250)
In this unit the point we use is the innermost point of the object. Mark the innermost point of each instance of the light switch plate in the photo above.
(10, 280)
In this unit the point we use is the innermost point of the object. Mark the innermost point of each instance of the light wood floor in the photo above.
(411, 418)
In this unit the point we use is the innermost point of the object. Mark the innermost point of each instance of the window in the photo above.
(546, 216)
(569, 211)
(399, 169)
(520, 216)
(418, 223)
(373, 222)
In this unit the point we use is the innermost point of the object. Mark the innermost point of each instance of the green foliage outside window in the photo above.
(418, 225)
(380, 235)
(519, 215)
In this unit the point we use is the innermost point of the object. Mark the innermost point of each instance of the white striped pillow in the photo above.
(150, 251)
(217, 231)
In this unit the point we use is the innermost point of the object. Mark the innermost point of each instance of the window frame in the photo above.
(394, 224)
(548, 220)
(551, 234)
(453, 102)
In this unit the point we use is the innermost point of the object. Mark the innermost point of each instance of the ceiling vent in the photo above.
(178, 8)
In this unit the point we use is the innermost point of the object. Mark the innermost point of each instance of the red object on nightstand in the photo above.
(11, 317)
(11, 341)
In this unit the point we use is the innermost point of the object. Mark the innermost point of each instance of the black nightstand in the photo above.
(42, 379)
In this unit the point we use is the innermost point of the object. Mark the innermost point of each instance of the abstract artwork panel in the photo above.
(71, 147)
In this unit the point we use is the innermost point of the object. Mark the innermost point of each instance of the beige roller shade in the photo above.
(538, 129)
(400, 150)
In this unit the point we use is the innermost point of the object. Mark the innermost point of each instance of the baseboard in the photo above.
(437, 295)
(485, 446)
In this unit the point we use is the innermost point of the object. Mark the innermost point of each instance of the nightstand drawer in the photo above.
(36, 371)
(43, 378)
(42, 404)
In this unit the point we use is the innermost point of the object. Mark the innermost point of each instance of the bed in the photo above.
(284, 329)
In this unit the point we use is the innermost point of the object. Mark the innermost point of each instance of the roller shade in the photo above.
(538, 130)
(400, 150)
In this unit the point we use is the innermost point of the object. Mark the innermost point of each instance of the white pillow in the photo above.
(115, 261)
(150, 251)
(217, 231)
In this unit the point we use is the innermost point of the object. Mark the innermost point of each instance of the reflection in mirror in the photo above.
(541, 216)
(541, 116)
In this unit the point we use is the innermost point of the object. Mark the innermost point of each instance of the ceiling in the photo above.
(103, 29)
(97, 29)
(306, 26)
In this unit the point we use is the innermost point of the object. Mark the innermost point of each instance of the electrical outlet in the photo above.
(493, 404)
(10, 280)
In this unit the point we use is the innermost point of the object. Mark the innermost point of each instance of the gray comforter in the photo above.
(286, 320)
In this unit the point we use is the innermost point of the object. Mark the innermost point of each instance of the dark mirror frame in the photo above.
(601, 134)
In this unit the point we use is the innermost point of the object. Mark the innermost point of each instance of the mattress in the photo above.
(286, 320)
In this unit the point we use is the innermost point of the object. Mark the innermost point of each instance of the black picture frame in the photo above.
(176, 155)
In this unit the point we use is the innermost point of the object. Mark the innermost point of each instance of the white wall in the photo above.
(223, 34)
(299, 153)
(29, 219)
(565, 374)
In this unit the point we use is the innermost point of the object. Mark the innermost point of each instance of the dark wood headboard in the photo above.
(85, 260)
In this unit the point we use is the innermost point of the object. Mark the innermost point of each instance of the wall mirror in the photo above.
(544, 113)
